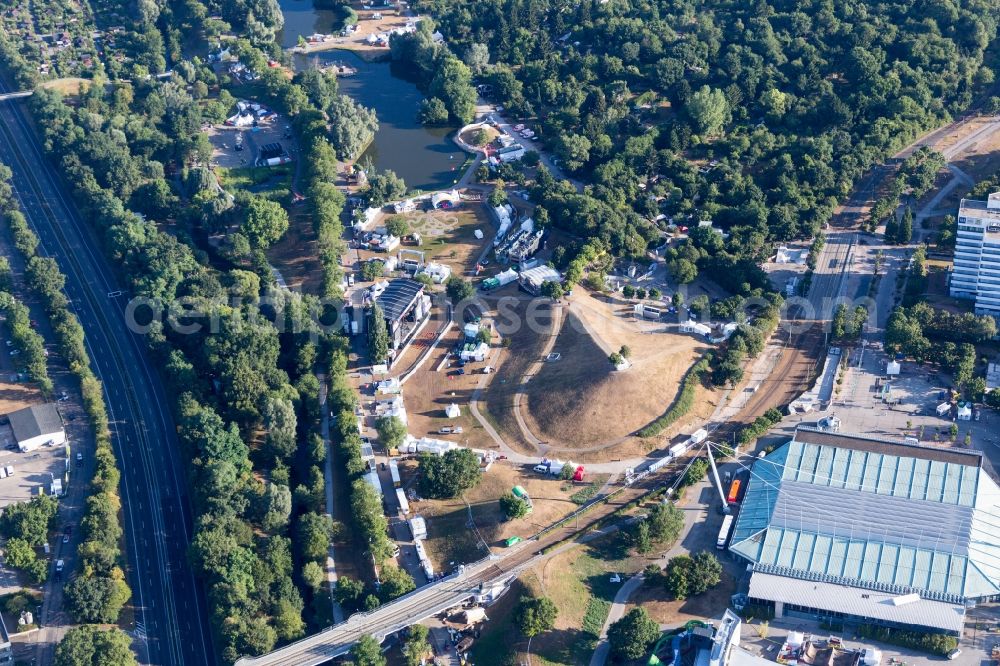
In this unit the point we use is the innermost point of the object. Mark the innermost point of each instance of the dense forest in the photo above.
(759, 116)
(245, 396)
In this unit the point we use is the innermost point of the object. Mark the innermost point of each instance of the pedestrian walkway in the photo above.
(694, 512)
(331, 564)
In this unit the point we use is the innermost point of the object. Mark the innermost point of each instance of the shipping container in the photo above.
(394, 473)
(727, 526)
(404, 506)
(678, 450)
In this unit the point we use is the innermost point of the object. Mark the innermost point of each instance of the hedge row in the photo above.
(99, 591)
(940, 644)
(26, 340)
(760, 426)
(685, 399)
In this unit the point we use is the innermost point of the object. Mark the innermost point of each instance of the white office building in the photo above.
(976, 274)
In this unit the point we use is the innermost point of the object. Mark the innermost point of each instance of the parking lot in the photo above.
(859, 400)
(33, 471)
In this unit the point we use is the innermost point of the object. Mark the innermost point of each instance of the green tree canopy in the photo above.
(373, 270)
(632, 636)
(665, 523)
(264, 222)
(391, 431)
(378, 336)
(97, 599)
(448, 475)
(416, 646)
(29, 520)
(535, 615)
(512, 506)
(367, 652)
(384, 186)
(91, 646)
(397, 226)
(395, 583)
(458, 289)
(709, 110)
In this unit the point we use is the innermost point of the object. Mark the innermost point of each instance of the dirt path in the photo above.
(557, 324)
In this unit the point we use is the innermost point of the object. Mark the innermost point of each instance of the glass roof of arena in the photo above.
(869, 512)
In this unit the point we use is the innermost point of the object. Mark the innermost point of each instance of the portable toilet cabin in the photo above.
(418, 527)
(522, 494)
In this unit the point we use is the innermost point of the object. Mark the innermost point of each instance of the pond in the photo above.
(301, 18)
(425, 157)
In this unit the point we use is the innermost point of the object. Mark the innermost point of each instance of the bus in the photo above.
(734, 492)
(727, 525)
(512, 541)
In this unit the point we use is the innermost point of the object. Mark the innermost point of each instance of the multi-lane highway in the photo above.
(170, 611)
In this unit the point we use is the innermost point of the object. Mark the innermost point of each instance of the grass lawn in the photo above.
(578, 582)
(448, 236)
(275, 182)
(452, 538)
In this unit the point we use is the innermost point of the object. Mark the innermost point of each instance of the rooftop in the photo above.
(35, 421)
(979, 209)
(540, 274)
(874, 513)
(857, 601)
(398, 297)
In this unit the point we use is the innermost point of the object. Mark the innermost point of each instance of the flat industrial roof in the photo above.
(887, 446)
(861, 602)
(869, 512)
(398, 297)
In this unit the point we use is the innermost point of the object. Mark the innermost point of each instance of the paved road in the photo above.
(170, 609)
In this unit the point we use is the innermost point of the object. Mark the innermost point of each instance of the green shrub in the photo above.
(684, 401)
(940, 644)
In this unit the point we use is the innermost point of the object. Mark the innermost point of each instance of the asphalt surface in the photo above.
(170, 609)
